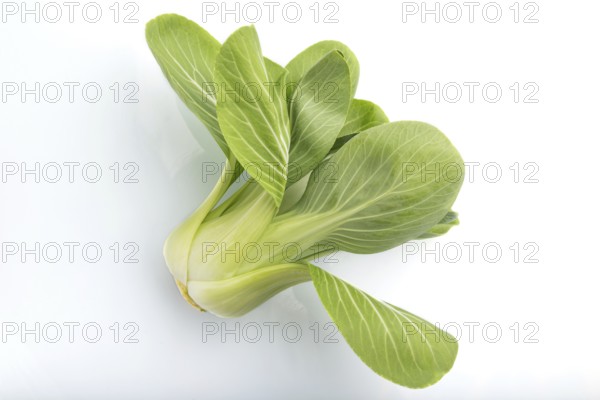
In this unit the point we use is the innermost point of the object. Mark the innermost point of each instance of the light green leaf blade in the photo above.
(362, 115)
(252, 116)
(441, 228)
(305, 60)
(317, 113)
(394, 343)
(274, 71)
(187, 54)
(392, 183)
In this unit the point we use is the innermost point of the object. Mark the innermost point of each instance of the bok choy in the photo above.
(326, 172)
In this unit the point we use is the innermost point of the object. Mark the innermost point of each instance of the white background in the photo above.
(557, 214)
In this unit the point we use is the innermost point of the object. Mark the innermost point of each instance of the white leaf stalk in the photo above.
(213, 255)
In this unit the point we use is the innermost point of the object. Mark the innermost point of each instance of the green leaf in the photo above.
(442, 227)
(389, 184)
(362, 115)
(187, 54)
(252, 116)
(274, 70)
(394, 343)
(304, 61)
(317, 113)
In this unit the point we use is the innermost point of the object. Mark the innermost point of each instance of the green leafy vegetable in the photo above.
(327, 172)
